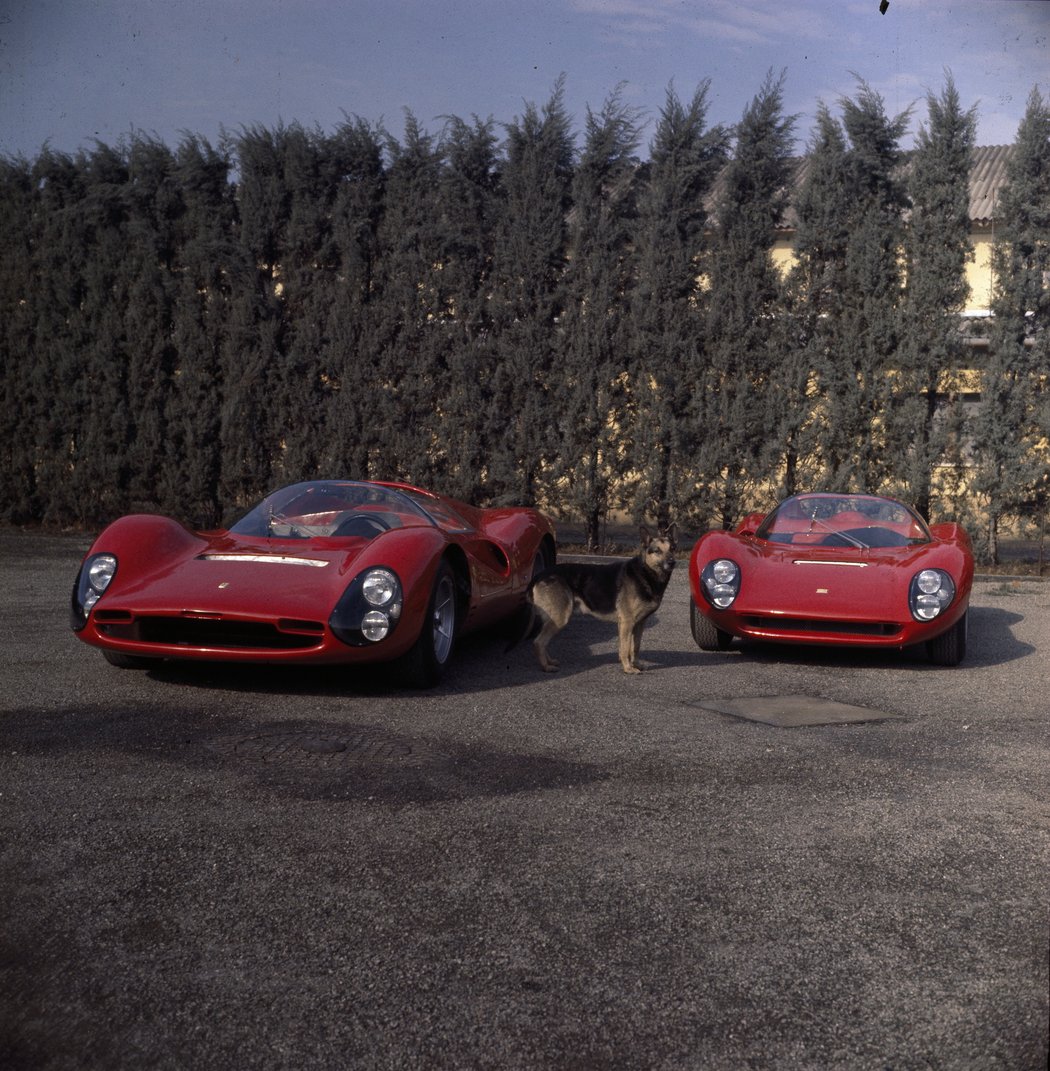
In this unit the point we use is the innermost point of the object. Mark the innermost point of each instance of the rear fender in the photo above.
(521, 534)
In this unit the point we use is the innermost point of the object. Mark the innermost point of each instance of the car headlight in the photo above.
(96, 574)
(380, 587)
(931, 592)
(720, 582)
(369, 609)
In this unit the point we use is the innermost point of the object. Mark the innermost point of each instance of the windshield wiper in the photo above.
(859, 544)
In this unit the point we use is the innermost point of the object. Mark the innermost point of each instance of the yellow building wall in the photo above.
(978, 271)
(784, 255)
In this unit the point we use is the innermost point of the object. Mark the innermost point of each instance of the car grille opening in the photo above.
(286, 635)
(839, 628)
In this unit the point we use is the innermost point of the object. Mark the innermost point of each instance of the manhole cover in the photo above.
(790, 711)
(325, 749)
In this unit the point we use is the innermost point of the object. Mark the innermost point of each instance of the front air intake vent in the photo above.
(809, 625)
(228, 635)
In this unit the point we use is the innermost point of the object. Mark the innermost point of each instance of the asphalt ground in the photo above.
(214, 868)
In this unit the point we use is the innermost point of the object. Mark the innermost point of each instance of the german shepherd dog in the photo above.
(625, 592)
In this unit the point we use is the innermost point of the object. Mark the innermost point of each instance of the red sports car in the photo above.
(851, 570)
(329, 571)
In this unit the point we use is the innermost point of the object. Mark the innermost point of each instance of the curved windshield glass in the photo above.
(438, 510)
(337, 509)
(860, 521)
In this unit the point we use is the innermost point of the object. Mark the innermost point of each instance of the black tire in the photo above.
(127, 661)
(541, 563)
(949, 648)
(707, 635)
(430, 655)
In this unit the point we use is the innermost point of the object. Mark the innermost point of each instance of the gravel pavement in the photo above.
(221, 868)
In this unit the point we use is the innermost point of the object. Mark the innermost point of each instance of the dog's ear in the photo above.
(672, 534)
(644, 535)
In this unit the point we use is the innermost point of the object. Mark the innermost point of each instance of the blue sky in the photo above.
(72, 71)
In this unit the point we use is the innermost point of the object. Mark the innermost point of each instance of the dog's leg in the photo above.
(547, 633)
(627, 646)
(553, 604)
(636, 645)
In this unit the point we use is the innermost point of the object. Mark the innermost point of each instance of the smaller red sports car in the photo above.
(835, 570)
(325, 572)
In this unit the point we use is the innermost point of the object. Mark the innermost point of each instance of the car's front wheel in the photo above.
(949, 648)
(707, 635)
(426, 662)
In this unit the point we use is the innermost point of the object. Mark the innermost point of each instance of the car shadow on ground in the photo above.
(307, 758)
(484, 661)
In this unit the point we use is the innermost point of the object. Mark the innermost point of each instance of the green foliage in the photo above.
(856, 331)
(22, 406)
(513, 317)
(737, 399)
(348, 437)
(589, 376)
(531, 237)
(469, 207)
(668, 304)
(1012, 427)
(924, 418)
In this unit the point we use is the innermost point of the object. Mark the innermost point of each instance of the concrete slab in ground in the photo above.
(793, 711)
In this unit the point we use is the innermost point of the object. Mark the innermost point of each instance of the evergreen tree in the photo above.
(811, 294)
(20, 407)
(348, 359)
(410, 307)
(149, 286)
(742, 337)
(505, 324)
(527, 299)
(590, 386)
(254, 345)
(469, 206)
(667, 311)
(204, 255)
(104, 428)
(249, 349)
(938, 248)
(859, 350)
(1011, 429)
(52, 380)
(309, 269)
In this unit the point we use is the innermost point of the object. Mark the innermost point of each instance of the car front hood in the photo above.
(833, 583)
(264, 579)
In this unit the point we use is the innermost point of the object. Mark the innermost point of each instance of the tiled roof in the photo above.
(987, 178)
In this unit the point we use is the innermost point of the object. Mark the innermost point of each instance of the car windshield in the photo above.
(439, 511)
(859, 521)
(335, 509)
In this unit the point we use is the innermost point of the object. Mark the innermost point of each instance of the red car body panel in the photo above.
(806, 592)
(181, 594)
